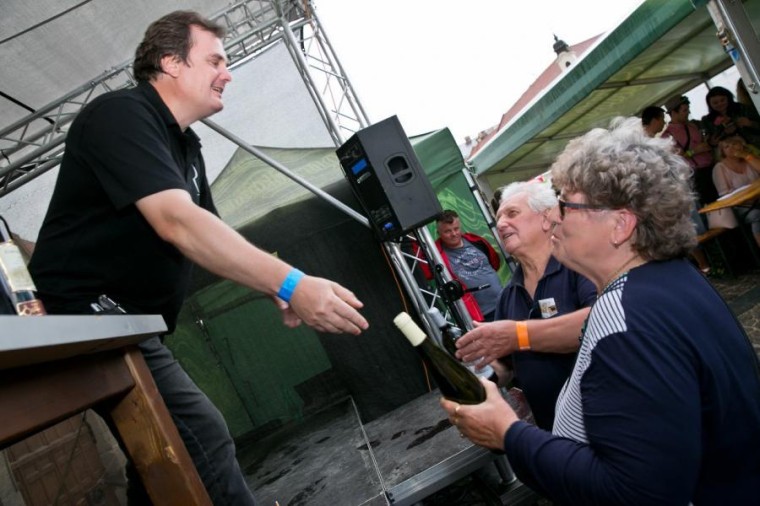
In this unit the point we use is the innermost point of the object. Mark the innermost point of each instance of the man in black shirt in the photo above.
(132, 211)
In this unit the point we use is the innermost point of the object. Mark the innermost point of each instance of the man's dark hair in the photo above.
(169, 35)
(447, 216)
(650, 113)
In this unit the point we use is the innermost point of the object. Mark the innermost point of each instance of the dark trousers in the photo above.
(704, 186)
(201, 427)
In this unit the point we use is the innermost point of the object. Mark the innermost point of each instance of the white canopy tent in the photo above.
(288, 88)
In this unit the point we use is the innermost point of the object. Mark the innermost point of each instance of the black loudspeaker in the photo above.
(388, 180)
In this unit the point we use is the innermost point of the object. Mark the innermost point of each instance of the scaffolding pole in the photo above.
(739, 40)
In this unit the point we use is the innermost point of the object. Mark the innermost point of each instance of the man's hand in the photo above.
(289, 317)
(327, 306)
(206, 240)
(487, 342)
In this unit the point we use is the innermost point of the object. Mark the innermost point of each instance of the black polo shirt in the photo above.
(123, 146)
(541, 376)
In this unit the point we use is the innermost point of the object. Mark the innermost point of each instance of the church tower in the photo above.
(566, 58)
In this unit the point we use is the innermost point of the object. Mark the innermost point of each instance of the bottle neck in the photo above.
(455, 332)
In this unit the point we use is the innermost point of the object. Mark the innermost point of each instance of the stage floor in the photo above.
(331, 458)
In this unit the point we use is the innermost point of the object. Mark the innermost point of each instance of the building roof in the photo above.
(547, 77)
(660, 49)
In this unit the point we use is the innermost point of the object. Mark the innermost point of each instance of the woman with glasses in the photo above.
(663, 404)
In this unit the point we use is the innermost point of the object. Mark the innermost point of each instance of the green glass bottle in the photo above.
(449, 335)
(454, 380)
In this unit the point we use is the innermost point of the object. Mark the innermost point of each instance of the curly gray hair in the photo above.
(623, 168)
(541, 196)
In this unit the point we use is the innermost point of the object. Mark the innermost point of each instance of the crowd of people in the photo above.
(711, 147)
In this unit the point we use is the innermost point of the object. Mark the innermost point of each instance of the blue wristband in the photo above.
(289, 284)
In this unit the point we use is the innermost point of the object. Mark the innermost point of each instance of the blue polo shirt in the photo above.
(542, 375)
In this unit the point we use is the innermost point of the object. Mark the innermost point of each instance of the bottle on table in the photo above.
(455, 381)
(15, 280)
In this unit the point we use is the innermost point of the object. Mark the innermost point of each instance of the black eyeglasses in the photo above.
(572, 205)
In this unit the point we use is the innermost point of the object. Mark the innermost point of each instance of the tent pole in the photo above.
(740, 42)
(410, 284)
(287, 172)
(300, 60)
(488, 216)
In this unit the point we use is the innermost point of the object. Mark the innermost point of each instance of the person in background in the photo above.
(496, 200)
(132, 210)
(653, 120)
(472, 261)
(663, 404)
(727, 117)
(687, 136)
(743, 96)
(541, 310)
(738, 167)
(691, 145)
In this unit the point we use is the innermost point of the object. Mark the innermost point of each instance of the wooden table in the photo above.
(52, 367)
(741, 197)
(744, 197)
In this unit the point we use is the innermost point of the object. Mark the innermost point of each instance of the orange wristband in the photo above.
(523, 341)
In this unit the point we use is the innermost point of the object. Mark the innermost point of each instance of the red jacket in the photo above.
(468, 298)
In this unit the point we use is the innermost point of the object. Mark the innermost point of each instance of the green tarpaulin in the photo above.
(231, 340)
(663, 48)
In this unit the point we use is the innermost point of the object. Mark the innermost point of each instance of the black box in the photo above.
(388, 180)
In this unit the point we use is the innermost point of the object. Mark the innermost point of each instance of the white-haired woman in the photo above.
(663, 404)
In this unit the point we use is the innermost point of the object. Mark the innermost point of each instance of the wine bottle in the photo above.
(455, 381)
(16, 280)
(449, 335)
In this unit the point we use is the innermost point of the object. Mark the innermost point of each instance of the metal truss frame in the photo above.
(35, 143)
